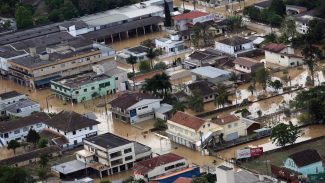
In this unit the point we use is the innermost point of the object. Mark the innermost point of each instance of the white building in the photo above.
(22, 108)
(73, 127)
(232, 127)
(247, 65)
(159, 165)
(211, 74)
(107, 154)
(140, 52)
(9, 98)
(19, 128)
(186, 20)
(282, 55)
(172, 44)
(189, 130)
(9, 53)
(302, 20)
(135, 107)
(234, 45)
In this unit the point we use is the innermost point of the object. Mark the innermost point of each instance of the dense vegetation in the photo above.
(56, 10)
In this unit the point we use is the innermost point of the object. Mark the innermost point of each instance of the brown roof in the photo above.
(202, 87)
(9, 94)
(244, 61)
(183, 180)
(187, 120)
(234, 41)
(276, 48)
(225, 120)
(126, 100)
(148, 75)
(68, 121)
(30, 155)
(306, 157)
(145, 166)
(39, 117)
(190, 15)
(54, 136)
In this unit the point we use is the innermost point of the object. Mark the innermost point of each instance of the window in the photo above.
(180, 164)
(203, 126)
(6, 135)
(75, 142)
(25, 129)
(127, 150)
(229, 126)
(77, 92)
(145, 107)
(169, 167)
(91, 128)
(17, 131)
(128, 158)
(139, 109)
(74, 132)
(282, 56)
(85, 90)
(107, 84)
(38, 125)
(116, 78)
(92, 88)
(88, 58)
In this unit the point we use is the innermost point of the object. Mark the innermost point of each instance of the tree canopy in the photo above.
(14, 174)
(23, 17)
(159, 85)
(32, 136)
(284, 134)
(13, 144)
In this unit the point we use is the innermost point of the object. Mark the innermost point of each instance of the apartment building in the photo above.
(83, 87)
(18, 129)
(57, 61)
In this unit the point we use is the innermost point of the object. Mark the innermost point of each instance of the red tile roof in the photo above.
(273, 47)
(225, 120)
(190, 16)
(248, 62)
(183, 180)
(145, 166)
(187, 120)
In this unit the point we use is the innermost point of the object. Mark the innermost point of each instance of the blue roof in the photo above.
(210, 72)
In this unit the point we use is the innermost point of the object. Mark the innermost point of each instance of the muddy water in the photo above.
(135, 41)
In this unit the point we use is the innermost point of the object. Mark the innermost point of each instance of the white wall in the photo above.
(7, 102)
(160, 170)
(281, 59)
(143, 107)
(224, 48)
(236, 126)
(243, 68)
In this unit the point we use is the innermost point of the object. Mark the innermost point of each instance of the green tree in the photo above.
(32, 136)
(160, 124)
(288, 29)
(14, 174)
(234, 78)
(41, 20)
(277, 84)
(222, 95)
(105, 181)
(160, 66)
(278, 7)
(68, 10)
(13, 144)
(212, 178)
(195, 102)
(44, 159)
(311, 56)
(42, 173)
(42, 143)
(234, 22)
(284, 134)
(132, 60)
(159, 85)
(179, 106)
(144, 66)
(152, 54)
(251, 88)
(23, 18)
(168, 18)
(200, 180)
(262, 77)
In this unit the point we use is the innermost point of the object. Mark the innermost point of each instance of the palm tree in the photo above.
(132, 60)
(234, 78)
(223, 95)
(195, 102)
(251, 88)
(151, 54)
(179, 106)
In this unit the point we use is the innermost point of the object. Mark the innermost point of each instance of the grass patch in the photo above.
(277, 158)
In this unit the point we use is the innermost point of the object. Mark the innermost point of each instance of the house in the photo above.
(31, 157)
(159, 165)
(186, 20)
(111, 69)
(191, 131)
(235, 46)
(83, 87)
(201, 88)
(294, 10)
(73, 127)
(226, 174)
(263, 5)
(18, 129)
(247, 65)
(206, 57)
(105, 154)
(232, 127)
(135, 107)
(306, 162)
(23, 108)
(173, 44)
(211, 74)
(9, 98)
(282, 55)
(140, 52)
(302, 20)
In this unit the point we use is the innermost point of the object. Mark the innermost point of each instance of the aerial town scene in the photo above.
(162, 91)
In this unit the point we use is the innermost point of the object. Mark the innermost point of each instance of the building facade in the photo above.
(173, 44)
(9, 98)
(234, 45)
(232, 127)
(184, 21)
(83, 87)
(282, 55)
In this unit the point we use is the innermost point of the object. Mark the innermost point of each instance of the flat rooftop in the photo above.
(140, 148)
(108, 140)
(210, 72)
(76, 81)
(9, 94)
(120, 14)
(20, 104)
(8, 52)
